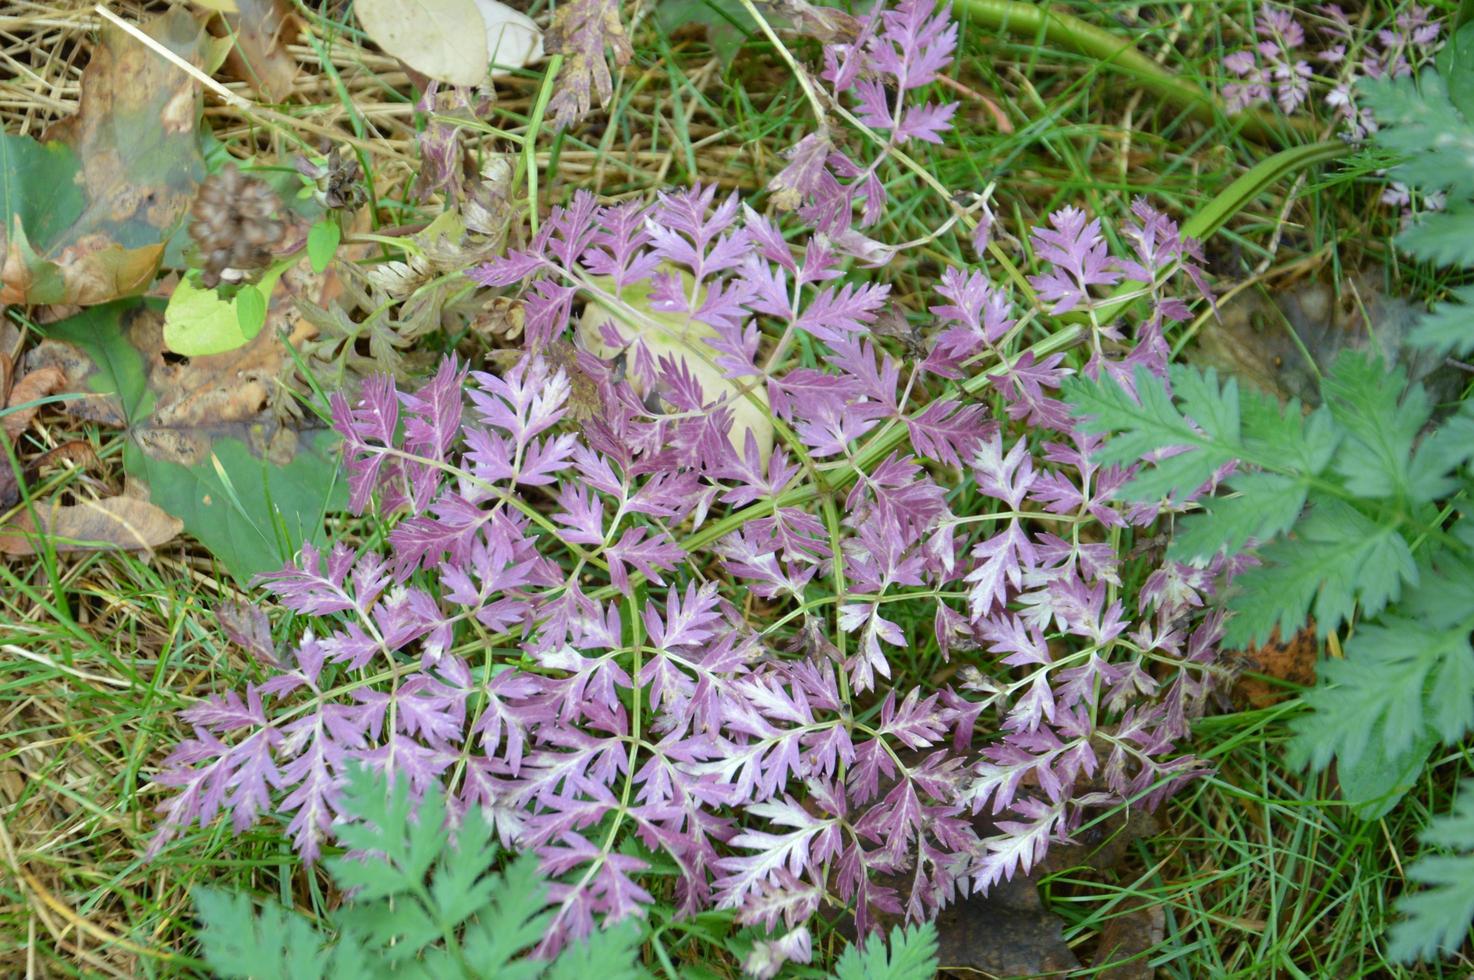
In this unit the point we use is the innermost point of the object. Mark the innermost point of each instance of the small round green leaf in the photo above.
(250, 311)
(322, 243)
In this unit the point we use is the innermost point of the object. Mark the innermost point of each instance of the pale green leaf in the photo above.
(1437, 918)
(912, 955)
(322, 243)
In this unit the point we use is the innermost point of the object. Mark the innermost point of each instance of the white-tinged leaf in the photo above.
(512, 39)
(431, 36)
(685, 338)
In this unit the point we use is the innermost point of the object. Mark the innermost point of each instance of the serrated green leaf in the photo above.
(1379, 780)
(410, 838)
(240, 939)
(1284, 435)
(1437, 918)
(1339, 558)
(1449, 328)
(1419, 120)
(1442, 456)
(515, 922)
(1442, 237)
(1145, 425)
(1262, 506)
(607, 954)
(1381, 416)
(912, 956)
(460, 886)
(1445, 594)
(471, 920)
(1400, 678)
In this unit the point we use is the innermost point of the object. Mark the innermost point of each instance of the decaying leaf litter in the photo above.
(160, 413)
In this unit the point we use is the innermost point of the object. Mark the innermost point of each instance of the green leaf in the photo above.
(516, 922)
(1141, 426)
(250, 310)
(1442, 237)
(241, 939)
(912, 956)
(1338, 558)
(1381, 416)
(1377, 782)
(252, 510)
(1436, 919)
(1449, 328)
(470, 921)
(1442, 456)
(1418, 120)
(1262, 506)
(607, 954)
(322, 243)
(1401, 682)
(389, 824)
(1456, 63)
(198, 322)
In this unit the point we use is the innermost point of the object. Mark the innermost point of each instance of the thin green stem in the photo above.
(1037, 21)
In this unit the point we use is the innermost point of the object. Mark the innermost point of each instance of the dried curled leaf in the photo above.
(90, 525)
(581, 30)
(25, 393)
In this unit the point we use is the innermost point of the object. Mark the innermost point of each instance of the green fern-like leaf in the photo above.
(1420, 121)
(1338, 558)
(242, 939)
(912, 956)
(605, 955)
(1437, 918)
(1400, 679)
(421, 905)
(1449, 329)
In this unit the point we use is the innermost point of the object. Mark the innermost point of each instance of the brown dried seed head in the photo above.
(234, 224)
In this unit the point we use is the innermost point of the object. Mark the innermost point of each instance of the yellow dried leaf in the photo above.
(685, 338)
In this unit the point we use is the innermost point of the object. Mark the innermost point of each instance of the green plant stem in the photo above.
(528, 159)
(1029, 21)
(1224, 205)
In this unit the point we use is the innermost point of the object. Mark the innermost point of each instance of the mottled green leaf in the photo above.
(88, 210)
(199, 436)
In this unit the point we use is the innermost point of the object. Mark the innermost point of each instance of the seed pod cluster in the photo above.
(235, 225)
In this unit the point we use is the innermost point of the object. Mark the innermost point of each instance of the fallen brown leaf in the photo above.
(1128, 935)
(30, 388)
(262, 29)
(1290, 660)
(91, 525)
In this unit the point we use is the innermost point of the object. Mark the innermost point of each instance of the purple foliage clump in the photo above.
(1277, 67)
(642, 645)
